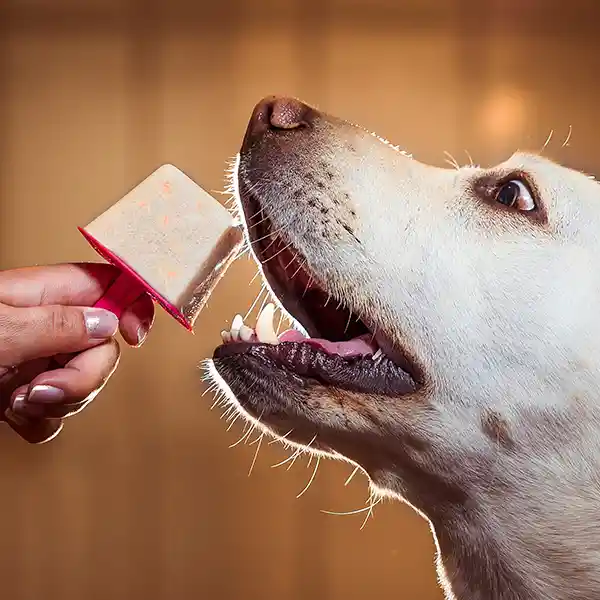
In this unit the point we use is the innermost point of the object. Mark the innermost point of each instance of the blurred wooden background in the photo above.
(140, 497)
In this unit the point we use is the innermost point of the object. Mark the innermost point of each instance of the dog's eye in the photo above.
(515, 194)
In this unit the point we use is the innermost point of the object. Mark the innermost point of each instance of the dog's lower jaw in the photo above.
(499, 537)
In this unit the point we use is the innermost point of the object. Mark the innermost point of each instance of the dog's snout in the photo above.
(275, 113)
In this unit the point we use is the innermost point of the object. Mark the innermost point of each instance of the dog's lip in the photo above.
(359, 373)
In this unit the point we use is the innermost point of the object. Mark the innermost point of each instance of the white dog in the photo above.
(454, 349)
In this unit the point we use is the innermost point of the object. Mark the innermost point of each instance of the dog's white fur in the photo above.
(502, 312)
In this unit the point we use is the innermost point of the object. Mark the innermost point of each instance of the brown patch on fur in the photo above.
(496, 428)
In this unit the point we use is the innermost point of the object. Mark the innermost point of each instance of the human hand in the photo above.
(56, 352)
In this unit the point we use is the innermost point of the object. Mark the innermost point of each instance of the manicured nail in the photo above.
(44, 394)
(21, 409)
(100, 323)
(142, 332)
(18, 405)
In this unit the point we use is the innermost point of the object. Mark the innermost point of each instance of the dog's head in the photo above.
(452, 313)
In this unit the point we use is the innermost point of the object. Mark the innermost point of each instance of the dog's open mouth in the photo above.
(340, 350)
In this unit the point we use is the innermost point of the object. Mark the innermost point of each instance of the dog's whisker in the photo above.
(347, 482)
(263, 303)
(350, 512)
(233, 421)
(471, 163)
(368, 509)
(547, 141)
(226, 413)
(257, 299)
(370, 512)
(309, 283)
(260, 439)
(277, 253)
(220, 400)
(281, 439)
(243, 438)
(312, 478)
(254, 278)
(210, 389)
(452, 161)
(299, 268)
(269, 235)
(272, 233)
(257, 439)
(350, 315)
(302, 451)
(568, 138)
(293, 456)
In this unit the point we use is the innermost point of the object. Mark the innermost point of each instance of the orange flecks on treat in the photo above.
(166, 187)
(142, 204)
(166, 220)
(171, 274)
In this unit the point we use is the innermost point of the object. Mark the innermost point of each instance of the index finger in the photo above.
(79, 284)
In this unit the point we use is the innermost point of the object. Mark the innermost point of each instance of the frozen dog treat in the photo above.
(170, 239)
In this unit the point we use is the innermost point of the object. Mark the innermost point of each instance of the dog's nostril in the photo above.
(288, 113)
(276, 113)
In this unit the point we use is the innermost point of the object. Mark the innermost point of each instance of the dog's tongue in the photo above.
(356, 347)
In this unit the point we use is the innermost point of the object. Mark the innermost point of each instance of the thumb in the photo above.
(44, 331)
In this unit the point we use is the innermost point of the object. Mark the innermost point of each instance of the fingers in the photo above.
(43, 331)
(137, 320)
(72, 284)
(44, 314)
(65, 392)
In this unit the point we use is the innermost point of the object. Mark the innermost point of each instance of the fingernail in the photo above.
(142, 332)
(44, 394)
(100, 323)
(18, 404)
(22, 409)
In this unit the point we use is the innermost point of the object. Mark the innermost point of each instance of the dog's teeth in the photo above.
(265, 332)
(246, 333)
(378, 355)
(226, 337)
(236, 325)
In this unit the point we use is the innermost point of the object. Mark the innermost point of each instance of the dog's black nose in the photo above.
(277, 113)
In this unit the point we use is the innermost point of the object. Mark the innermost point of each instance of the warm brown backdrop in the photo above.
(140, 498)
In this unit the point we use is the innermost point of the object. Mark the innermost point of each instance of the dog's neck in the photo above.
(541, 554)
(532, 535)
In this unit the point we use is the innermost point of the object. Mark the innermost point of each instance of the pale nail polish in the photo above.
(45, 394)
(18, 404)
(100, 323)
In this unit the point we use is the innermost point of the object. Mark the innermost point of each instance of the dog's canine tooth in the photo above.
(378, 355)
(265, 332)
(236, 325)
(246, 333)
(226, 337)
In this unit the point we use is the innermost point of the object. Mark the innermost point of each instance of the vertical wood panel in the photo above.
(141, 498)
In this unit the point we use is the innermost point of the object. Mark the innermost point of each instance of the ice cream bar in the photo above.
(170, 239)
